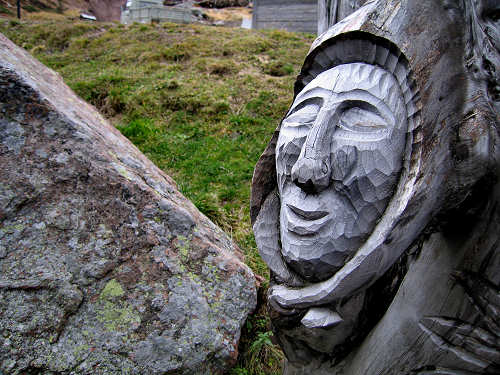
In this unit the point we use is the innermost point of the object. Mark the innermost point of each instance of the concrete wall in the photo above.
(291, 15)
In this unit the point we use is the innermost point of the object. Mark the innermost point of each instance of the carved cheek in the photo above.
(360, 159)
(368, 171)
(344, 159)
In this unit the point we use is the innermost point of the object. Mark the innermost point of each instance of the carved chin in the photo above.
(319, 268)
(314, 242)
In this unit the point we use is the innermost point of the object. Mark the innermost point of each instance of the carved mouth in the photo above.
(305, 223)
(307, 215)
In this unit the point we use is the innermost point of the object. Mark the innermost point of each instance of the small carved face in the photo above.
(338, 160)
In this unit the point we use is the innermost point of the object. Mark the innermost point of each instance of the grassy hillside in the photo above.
(9, 7)
(200, 101)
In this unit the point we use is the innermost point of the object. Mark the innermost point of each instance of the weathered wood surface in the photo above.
(332, 11)
(421, 294)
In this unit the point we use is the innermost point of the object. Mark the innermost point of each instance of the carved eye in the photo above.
(305, 115)
(362, 120)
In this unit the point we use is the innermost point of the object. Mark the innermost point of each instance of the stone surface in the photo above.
(104, 266)
(388, 263)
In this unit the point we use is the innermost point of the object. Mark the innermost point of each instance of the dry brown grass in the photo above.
(229, 14)
(48, 16)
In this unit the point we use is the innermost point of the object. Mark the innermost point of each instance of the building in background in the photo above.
(145, 11)
(291, 15)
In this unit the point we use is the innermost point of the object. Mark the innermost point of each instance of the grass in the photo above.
(30, 7)
(200, 102)
(258, 354)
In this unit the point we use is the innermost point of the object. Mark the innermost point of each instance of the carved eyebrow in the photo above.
(320, 96)
(358, 95)
(315, 100)
(318, 93)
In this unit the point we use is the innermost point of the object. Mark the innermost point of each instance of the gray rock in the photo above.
(104, 266)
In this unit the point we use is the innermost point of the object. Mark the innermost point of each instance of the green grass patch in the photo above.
(259, 355)
(6, 11)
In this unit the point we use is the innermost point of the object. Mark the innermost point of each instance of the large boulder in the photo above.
(105, 267)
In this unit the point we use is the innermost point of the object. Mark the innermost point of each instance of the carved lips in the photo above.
(304, 222)
(307, 215)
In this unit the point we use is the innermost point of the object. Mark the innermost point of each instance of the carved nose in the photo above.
(311, 175)
(312, 170)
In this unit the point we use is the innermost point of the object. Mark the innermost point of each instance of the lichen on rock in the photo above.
(104, 266)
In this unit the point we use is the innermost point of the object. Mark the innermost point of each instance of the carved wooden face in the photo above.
(338, 160)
